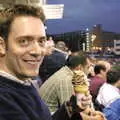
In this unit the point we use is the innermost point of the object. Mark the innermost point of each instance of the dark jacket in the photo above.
(22, 102)
(51, 64)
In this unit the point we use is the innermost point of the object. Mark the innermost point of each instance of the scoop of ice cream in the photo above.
(80, 82)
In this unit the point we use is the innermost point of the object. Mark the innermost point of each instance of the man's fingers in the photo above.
(84, 103)
(85, 98)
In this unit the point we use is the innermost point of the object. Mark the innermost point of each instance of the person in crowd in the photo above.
(106, 63)
(53, 62)
(50, 45)
(22, 49)
(112, 112)
(109, 91)
(91, 68)
(58, 88)
(99, 79)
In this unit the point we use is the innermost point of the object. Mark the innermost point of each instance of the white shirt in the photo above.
(107, 94)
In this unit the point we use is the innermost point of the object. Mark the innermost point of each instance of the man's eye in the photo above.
(42, 42)
(24, 42)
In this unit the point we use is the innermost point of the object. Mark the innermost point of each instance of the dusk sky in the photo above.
(82, 14)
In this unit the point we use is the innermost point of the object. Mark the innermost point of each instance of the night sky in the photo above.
(82, 14)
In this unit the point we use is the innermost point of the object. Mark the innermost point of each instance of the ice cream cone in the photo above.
(81, 89)
(80, 82)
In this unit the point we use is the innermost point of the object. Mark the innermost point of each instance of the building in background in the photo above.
(104, 39)
(75, 41)
(90, 40)
(97, 30)
(116, 48)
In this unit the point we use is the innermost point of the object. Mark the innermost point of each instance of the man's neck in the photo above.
(101, 76)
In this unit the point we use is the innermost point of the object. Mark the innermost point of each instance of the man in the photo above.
(22, 39)
(58, 88)
(50, 45)
(22, 49)
(109, 95)
(99, 79)
(112, 112)
(112, 86)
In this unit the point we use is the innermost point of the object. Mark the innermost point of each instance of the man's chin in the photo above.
(30, 74)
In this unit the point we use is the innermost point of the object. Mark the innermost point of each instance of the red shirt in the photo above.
(95, 84)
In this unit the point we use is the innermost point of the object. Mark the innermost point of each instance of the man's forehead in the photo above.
(27, 25)
(26, 19)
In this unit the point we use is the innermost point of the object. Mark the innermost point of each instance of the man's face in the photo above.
(25, 47)
(87, 67)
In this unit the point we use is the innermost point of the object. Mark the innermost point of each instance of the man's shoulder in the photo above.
(62, 73)
(112, 111)
(4, 83)
(97, 79)
(57, 55)
(19, 103)
(53, 82)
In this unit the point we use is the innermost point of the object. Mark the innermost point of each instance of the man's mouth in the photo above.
(33, 62)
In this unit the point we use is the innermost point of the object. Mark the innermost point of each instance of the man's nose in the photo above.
(37, 50)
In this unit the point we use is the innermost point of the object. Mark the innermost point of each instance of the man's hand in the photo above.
(78, 104)
(84, 101)
(92, 115)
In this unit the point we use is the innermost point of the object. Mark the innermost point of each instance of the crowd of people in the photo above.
(43, 80)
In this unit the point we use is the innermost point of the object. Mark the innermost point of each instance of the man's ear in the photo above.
(2, 47)
(78, 67)
(118, 83)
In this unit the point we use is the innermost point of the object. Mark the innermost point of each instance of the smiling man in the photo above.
(22, 49)
(25, 47)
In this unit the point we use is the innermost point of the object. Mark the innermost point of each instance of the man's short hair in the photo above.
(75, 60)
(8, 15)
(105, 63)
(113, 76)
(98, 68)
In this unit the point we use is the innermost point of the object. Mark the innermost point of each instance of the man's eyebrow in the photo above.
(32, 37)
(43, 37)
